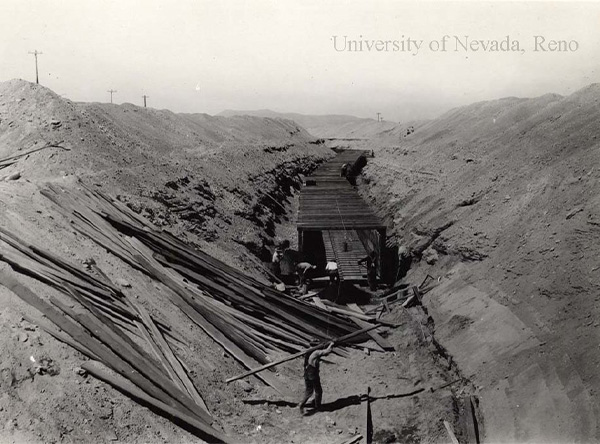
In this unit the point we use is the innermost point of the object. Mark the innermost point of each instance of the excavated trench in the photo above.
(276, 214)
(271, 212)
(402, 259)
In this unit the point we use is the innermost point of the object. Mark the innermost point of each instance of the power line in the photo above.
(35, 54)
(111, 91)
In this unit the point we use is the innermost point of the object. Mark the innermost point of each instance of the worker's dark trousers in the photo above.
(312, 386)
(372, 279)
(334, 276)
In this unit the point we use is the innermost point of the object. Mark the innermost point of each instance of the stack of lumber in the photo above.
(87, 289)
(252, 321)
(96, 323)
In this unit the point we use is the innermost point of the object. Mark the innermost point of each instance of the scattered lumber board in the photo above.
(172, 364)
(382, 342)
(353, 440)
(319, 303)
(470, 420)
(450, 432)
(99, 341)
(101, 372)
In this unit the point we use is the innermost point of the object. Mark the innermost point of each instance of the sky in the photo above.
(404, 59)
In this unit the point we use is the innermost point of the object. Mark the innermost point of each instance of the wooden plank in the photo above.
(157, 352)
(233, 349)
(173, 362)
(319, 303)
(96, 348)
(265, 305)
(176, 297)
(470, 420)
(353, 440)
(210, 316)
(231, 282)
(353, 314)
(382, 342)
(450, 432)
(135, 357)
(59, 335)
(99, 371)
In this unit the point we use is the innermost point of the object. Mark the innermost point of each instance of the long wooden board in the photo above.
(208, 433)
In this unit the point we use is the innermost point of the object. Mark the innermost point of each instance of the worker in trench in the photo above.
(332, 270)
(312, 378)
(371, 261)
(287, 263)
(276, 261)
(344, 170)
(303, 269)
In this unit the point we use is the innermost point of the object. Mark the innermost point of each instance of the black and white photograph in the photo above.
(276, 221)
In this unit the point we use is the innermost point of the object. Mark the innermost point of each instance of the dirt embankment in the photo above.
(499, 201)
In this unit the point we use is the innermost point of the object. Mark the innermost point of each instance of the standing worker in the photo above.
(371, 261)
(276, 261)
(312, 379)
(287, 263)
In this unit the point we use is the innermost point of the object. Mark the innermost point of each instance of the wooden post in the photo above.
(382, 239)
(300, 240)
(369, 433)
(35, 54)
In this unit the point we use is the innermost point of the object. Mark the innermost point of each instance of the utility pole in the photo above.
(145, 97)
(35, 54)
(378, 114)
(111, 91)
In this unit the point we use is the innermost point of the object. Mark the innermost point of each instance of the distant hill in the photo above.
(337, 126)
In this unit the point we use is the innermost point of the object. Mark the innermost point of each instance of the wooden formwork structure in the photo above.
(329, 203)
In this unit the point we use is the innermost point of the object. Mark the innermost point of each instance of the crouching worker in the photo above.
(332, 270)
(304, 270)
(312, 379)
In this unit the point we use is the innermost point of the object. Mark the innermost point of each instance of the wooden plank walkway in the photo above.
(346, 258)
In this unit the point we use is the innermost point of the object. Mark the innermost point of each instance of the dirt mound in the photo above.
(500, 201)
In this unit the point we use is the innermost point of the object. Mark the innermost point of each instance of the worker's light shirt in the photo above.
(331, 266)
